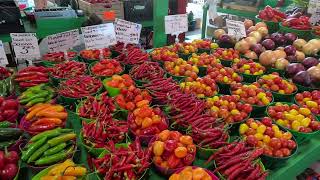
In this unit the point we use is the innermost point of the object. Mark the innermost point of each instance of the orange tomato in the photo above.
(187, 140)
(157, 160)
(158, 148)
(186, 173)
(138, 121)
(174, 135)
(163, 136)
(147, 122)
(164, 164)
(191, 148)
(174, 177)
(198, 173)
(181, 152)
(156, 119)
(142, 103)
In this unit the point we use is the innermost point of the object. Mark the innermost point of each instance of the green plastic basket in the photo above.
(304, 88)
(249, 78)
(300, 137)
(224, 88)
(283, 97)
(140, 82)
(272, 70)
(184, 56)
(271, 162)
(226, 63)
(176, 78)
(200, 51)
(114, 54)
(55, 81)
(272, 26)
(111, 91)
(202, 71)
(304, 34)
(205, 153)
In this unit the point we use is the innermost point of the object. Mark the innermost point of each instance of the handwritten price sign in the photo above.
(63, 41)
(25, 45)
(236, 28)
(3, 57)
(176, 24)
(127, 32)
(99, 36)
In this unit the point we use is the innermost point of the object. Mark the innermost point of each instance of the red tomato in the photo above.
(291, 144)
(275, 143)
(278, 153)
(285, 151)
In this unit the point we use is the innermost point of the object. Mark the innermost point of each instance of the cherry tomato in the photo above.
(275, 143)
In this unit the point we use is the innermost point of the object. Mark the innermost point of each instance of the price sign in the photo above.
(63, 41)
(315, 18)
(236, 28)
(99, 36)
(3, 57)
(176, 24)
(313, 5)
(127, 32)
(25, 45)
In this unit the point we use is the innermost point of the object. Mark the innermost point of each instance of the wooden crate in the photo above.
(99, 8)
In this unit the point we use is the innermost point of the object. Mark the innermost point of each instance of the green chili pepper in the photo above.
(5, 124)
(66, 130)
(49, 134)
(42, 94)
(32, 148)
(55, 158)
(36, 89)
(61, 139)
(38, 153)
(55, 149)
(35, 101)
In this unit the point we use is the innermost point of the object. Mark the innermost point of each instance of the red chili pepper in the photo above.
(27, 84)
(42, 128)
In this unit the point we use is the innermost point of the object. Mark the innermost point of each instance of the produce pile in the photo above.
(205, 110)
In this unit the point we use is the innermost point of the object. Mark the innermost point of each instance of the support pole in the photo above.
(160, 10)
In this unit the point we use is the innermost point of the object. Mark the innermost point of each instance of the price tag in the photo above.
(236, 28)
(127, 32)
(315, 18)
(25, 45)
(63, 41)
(99, 36)
(313, 5)
(3, 57)
(176, 24)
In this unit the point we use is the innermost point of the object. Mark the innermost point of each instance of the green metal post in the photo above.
(160, 10)
(204, 21)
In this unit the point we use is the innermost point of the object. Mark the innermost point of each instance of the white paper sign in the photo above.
(315, 18)
(25, 45)
(236, 28)
(3, 57)
(127, 32)
(176, 24)
(313, 5)
(63, 41)
(99, 36)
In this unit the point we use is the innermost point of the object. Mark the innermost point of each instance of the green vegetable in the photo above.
(5, 144)
(5, 124)
(61, 139)
(10, 133)
(32, 148)
(55, 149)
(35, 101)
(49, 134)
(38, 153)
(55, 158)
